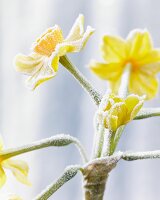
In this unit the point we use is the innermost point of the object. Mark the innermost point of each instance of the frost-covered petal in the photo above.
(117, 112)
(2, 177)
(68, 47)
(136, 109)
(45, 73)
(74, 45)
(112, 122)
(28, 64)
(120, 111)
(113, 49)
(77, 29)
(133, 103)
(19, 169)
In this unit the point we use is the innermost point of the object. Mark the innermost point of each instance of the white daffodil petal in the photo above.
(43, 74)
(77, 29)
(74, 46)
(19, 169)
(28, 64)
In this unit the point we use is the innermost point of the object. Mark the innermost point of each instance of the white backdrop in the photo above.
(60, 105)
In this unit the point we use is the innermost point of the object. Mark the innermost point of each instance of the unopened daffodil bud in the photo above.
(116, 111)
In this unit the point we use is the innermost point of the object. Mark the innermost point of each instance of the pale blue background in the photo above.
(61, 106)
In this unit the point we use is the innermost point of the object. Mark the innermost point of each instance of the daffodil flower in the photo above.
(18, 168)
(42, 64)
(116, 111)
(138, 51)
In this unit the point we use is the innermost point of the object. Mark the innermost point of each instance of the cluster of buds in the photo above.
(114, 111)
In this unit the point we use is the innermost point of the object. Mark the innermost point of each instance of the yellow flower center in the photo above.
(133, 62)
(46, 44)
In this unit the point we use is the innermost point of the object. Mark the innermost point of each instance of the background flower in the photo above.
(18, 168)
(137, 50)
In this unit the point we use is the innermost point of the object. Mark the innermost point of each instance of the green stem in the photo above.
(99, 141)
(81, 79)
(123, 89)
(148, 112)
(109, 140)
(58, 140)
(123, 92)
(68, 174)
(117, 138)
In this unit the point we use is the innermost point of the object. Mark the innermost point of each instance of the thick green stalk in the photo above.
(109, 142)
(81, 79)
(99, 140)
(95, 176)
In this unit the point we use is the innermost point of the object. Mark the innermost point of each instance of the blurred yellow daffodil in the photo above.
(14, 197)
(4, 196)
(18, 168)
(137, 50)
(117, 111)
(42, 64)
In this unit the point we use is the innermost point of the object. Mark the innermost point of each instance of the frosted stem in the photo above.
(148, 112)
(94, 94)
(57, 140)
(131, 156)
(99, 142)
(68, 174)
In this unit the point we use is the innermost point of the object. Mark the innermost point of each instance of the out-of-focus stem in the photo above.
(123, 89)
